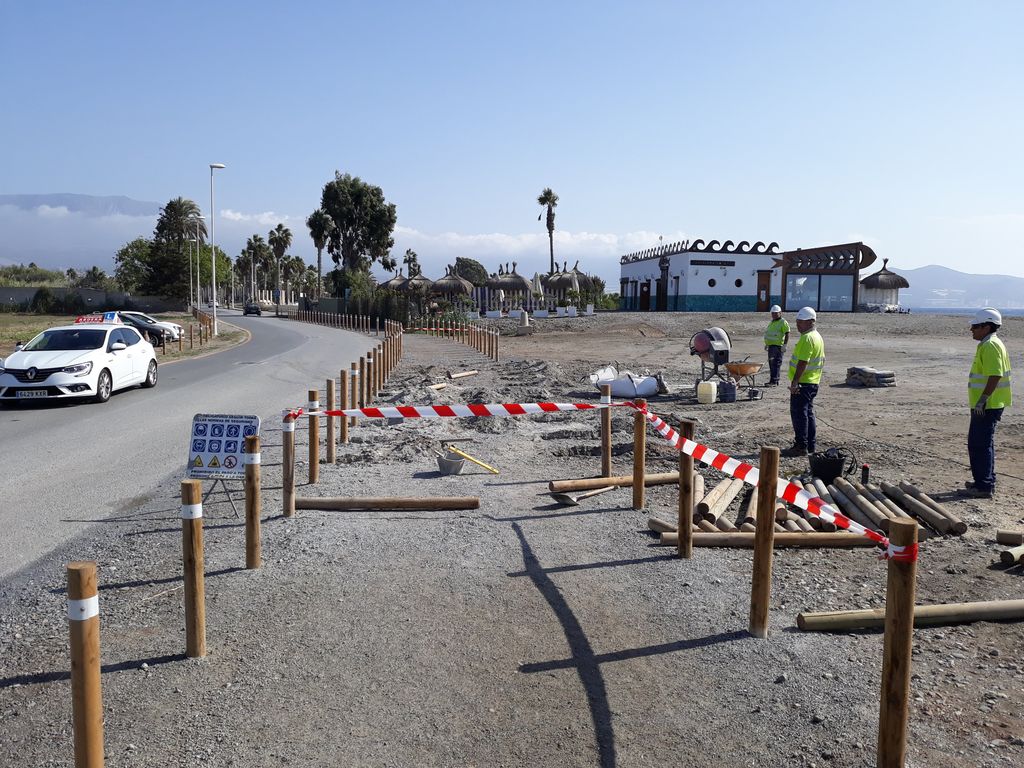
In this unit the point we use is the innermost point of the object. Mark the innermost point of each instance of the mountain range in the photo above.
(936, 287)
(88, 205)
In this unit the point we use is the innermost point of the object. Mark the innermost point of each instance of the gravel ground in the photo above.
(526, 632)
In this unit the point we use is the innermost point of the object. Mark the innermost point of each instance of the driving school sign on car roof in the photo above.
(217, 444)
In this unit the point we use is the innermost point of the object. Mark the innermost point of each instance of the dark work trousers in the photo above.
(981, 447)
(774, 363)
(801, 411)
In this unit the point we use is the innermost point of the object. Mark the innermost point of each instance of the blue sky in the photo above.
(801, 122)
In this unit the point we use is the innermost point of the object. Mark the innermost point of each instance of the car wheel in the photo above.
(104, 386)
(150, 375)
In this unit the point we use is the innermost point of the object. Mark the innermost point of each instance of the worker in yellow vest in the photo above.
(805, 367)
(776, 338)
(988, 393)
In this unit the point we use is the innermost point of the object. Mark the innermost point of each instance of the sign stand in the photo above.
(217, 450)
(227, 492)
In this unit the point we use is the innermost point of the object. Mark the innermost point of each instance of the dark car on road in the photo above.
(252, 308)
(152, 332)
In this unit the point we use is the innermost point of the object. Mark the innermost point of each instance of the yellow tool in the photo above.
(465, 455)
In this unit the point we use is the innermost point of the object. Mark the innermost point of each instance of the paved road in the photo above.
(65, 465)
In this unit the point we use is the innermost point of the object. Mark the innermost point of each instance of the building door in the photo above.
(764, 289)
(661, 299)
(645, 296)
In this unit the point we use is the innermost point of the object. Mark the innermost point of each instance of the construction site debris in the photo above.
(869, 377)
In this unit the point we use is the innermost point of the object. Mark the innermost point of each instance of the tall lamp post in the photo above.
(197, 218)
(190, 272)
(213, 245)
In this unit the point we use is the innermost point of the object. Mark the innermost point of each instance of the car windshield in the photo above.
(67, 339)
(141, 316)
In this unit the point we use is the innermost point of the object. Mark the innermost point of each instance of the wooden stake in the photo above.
(288, 465)
(606, 432)
(898, 644)
(924, 616)
(639, 454)
(362, 383)
(314, 437)
(192, 559)
(253, 502)
(342, 504)
(330, 439)
(86, 691)
(761, 584)
(625, 481)
(710, 536)
(343, 386)
(684, 524)
(958, 527)
(354, 398)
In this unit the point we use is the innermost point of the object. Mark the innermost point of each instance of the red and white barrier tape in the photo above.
(748, 473)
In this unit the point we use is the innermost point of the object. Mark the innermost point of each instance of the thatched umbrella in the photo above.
(883, 287)
(583, 280)
(396, 283)
(417, 282)
(515, 284)
(452, 285)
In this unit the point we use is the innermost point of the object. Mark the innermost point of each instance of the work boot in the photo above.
(794, 450)
(976, 493)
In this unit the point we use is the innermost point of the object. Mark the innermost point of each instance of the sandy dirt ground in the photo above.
(529, 633)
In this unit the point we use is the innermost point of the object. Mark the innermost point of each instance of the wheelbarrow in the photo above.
(744, 370)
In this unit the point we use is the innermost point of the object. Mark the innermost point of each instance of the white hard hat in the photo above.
(775, 308)
(987, 315)
(806, 314)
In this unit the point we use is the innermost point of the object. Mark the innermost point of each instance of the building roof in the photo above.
(884, 279)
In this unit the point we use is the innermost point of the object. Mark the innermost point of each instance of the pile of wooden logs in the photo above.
(873, 506)
(1014, 539)
(869, 377)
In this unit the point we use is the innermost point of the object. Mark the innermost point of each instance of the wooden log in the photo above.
(253, 501)
(958, 527)
(815, 522)
(707, 526)
(585, 484)
(698, 494)
(750, 508)
(1011, 556)
(341, 504)
(1010, 538)
(192, 566)
(822, 490)
(660, 526)
(790, 525)
(462, 375)
(748, 527)
(777, 527)
(797, 520)
(714, 504)
(917, 509)
(850, 509)
(725, 524)
(437, 387)
(882, 508)
(782, 539)
(885, 502)
(940, 615)
(878, 518)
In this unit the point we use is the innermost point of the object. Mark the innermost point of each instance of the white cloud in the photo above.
(48, 212)
(265, 219)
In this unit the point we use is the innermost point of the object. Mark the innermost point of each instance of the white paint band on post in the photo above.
(191, 511)
(606, 399)
(250, 458)
(288, 426)
(313, 405)
(80, 610)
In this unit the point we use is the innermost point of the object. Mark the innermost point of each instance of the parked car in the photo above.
(174, 330)
(153, 332)
(90, 359)
(252, 308)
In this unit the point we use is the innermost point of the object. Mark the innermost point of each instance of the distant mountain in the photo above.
(87, 205)
(934, 287)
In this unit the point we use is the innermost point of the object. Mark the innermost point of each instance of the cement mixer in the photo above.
(712, 346)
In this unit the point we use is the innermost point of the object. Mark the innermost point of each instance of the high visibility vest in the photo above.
(811, 348)
(776, 332)
(990, 359)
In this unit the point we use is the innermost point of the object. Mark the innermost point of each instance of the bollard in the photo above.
(897, 646)
(354, 396)
(181, 342)
(368, 392)
(684, 526)
(378, 356)
(288, 465)
(253, 501)
(86, 692)
(330, 422)
(639, 453)
(191, 340)
(314, 437)
(606, 431)
(497, 338)
(192, 559)
(761, 583)
(376, 331)
(362, 383)
(343, 404)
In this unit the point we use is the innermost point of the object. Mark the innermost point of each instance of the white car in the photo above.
(174, 331)
(92, 358)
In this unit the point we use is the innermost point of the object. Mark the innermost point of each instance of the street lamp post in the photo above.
(190, 272)
(213, 245)
(197, 218)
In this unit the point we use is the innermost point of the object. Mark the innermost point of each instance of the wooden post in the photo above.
(761, 584)
(685, 525)
(343, 386)
(181, 341)
(899, 641)
(192, 559)
(354, 398)
(497, 338)
(288, 465)
(191, 336)
(330, 422)
(253, 502)
(378, 367)
(606, 432)
(314, 437)
(368, 383)
(362, 383)
(639, 454)
(86, 692)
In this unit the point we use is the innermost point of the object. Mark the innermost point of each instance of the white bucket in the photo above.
(450, 464)
(707, 392)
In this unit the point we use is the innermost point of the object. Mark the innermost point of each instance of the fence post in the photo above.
(330, 421)
(314, 437)
(606, 431)
(897, 646)
(764, 541)
(639, 454)
(354, 397)
(370, 394)
(684, 526)
(192, 559)
(362, 382)
(343, 403)
(288, 465)
(497, 338)
(86, 691)
(191, 339)
(253, 501)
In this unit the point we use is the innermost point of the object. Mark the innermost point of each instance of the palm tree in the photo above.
(179, 221)
(293, 267)
(320, 226)
(256, 246)
(549, 199)
(412, 261)
(280, 240)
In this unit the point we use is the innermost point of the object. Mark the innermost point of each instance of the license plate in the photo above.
(31, 393)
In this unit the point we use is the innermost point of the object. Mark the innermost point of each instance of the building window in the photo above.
(836, 293)
(739, 283)
(711, 283)
(801, 291)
